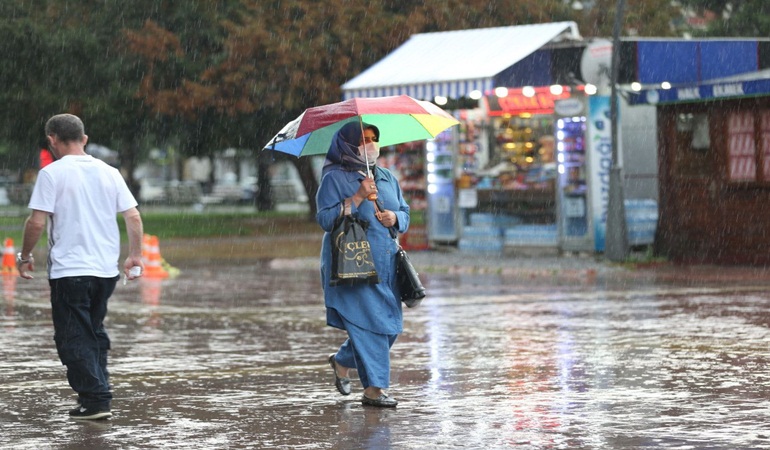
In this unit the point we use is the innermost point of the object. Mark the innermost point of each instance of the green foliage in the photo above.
(185, 224)
(736, 18)
(208, 74)
(215, 225)
(644, 257)
(749, 18)
(640, 18)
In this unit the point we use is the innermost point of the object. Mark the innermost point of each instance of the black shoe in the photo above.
(383, 401)
(82, 413)
(343, 384)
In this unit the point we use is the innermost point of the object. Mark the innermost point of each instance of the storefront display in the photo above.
(509, 178)
(537, 175)
(407, 162)
(514, 174)
(524, 152)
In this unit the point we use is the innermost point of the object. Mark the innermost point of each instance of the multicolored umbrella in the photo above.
(399, 118)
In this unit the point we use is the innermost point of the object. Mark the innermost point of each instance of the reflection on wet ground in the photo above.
(235, 357)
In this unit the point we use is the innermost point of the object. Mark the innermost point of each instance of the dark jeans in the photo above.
(79, 305)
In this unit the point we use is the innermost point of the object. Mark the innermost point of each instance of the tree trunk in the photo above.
(310, 183)
(264, 196)
(128, 163)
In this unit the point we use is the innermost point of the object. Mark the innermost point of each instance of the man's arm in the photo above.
(135, 231)
(33, 229)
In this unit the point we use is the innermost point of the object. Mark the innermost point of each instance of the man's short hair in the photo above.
(66, 127)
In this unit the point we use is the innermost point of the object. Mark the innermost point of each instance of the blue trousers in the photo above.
(369, 353)
(78, 308)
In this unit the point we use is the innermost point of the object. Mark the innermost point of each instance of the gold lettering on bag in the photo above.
(356, 246)
(357, 251)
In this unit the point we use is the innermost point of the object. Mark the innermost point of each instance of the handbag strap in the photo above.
(393, 232)
(346, 208)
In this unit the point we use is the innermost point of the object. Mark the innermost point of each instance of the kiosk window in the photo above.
(693, 143)
(748, 148)
(696, 128)
(741, 147)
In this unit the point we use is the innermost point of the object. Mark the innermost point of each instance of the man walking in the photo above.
(80, 197)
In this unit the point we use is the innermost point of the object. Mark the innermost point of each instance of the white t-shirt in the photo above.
(83, 196)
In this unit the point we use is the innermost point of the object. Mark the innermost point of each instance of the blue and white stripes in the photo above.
(425, 91)
(452, 64)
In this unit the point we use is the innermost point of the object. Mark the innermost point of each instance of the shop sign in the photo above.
(517, 103)
(691, 93)
(728, 90)
(569, 107)
(759, 87)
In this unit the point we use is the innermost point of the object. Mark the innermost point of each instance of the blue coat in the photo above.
(374, 307)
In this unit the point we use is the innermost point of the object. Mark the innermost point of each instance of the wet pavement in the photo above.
(532, 353)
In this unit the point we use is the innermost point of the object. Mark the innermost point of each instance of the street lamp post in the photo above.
(616, 244)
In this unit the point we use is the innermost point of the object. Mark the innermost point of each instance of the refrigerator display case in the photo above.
(442, 205)
(573, 185)
(574, 218)
(584, 157)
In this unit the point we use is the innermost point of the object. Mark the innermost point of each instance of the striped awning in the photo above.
(454, 63)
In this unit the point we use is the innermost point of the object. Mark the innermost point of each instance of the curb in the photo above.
(557, 268)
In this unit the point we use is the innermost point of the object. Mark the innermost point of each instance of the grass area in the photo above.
(218, 225)
(212, 235)
(236, 234)
(186, 224)
(644, 256)
(233, 236)
(12, 225)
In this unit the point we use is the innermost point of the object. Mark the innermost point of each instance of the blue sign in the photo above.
(600, 158)
(702, 92)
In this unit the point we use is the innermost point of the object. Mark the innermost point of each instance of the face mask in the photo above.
(372, 151)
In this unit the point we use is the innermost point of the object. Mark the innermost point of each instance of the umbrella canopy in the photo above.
(399, 119)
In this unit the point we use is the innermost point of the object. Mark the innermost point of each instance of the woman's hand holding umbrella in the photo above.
(367, 190)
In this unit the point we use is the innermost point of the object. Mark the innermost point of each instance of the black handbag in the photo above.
(410, 287)
(352, 261)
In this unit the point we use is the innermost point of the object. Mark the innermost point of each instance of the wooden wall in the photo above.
(703, 216)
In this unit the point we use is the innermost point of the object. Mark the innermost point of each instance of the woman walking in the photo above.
(370, 313)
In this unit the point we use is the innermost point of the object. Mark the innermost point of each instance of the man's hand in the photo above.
(26, 267)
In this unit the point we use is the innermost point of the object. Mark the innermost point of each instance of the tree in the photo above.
(32, 51)
(64, 56)
(745, 18)
(211, 74)
(279, 58)
(641, 18)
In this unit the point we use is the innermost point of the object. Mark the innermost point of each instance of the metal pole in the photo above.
(616, 244)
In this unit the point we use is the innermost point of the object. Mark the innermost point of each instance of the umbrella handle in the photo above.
(372, 196)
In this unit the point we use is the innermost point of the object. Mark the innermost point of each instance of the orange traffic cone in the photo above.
(9, 294)
(153, 267)
(9, 287)
(145, 247)
(9, 258)
(150, 290)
